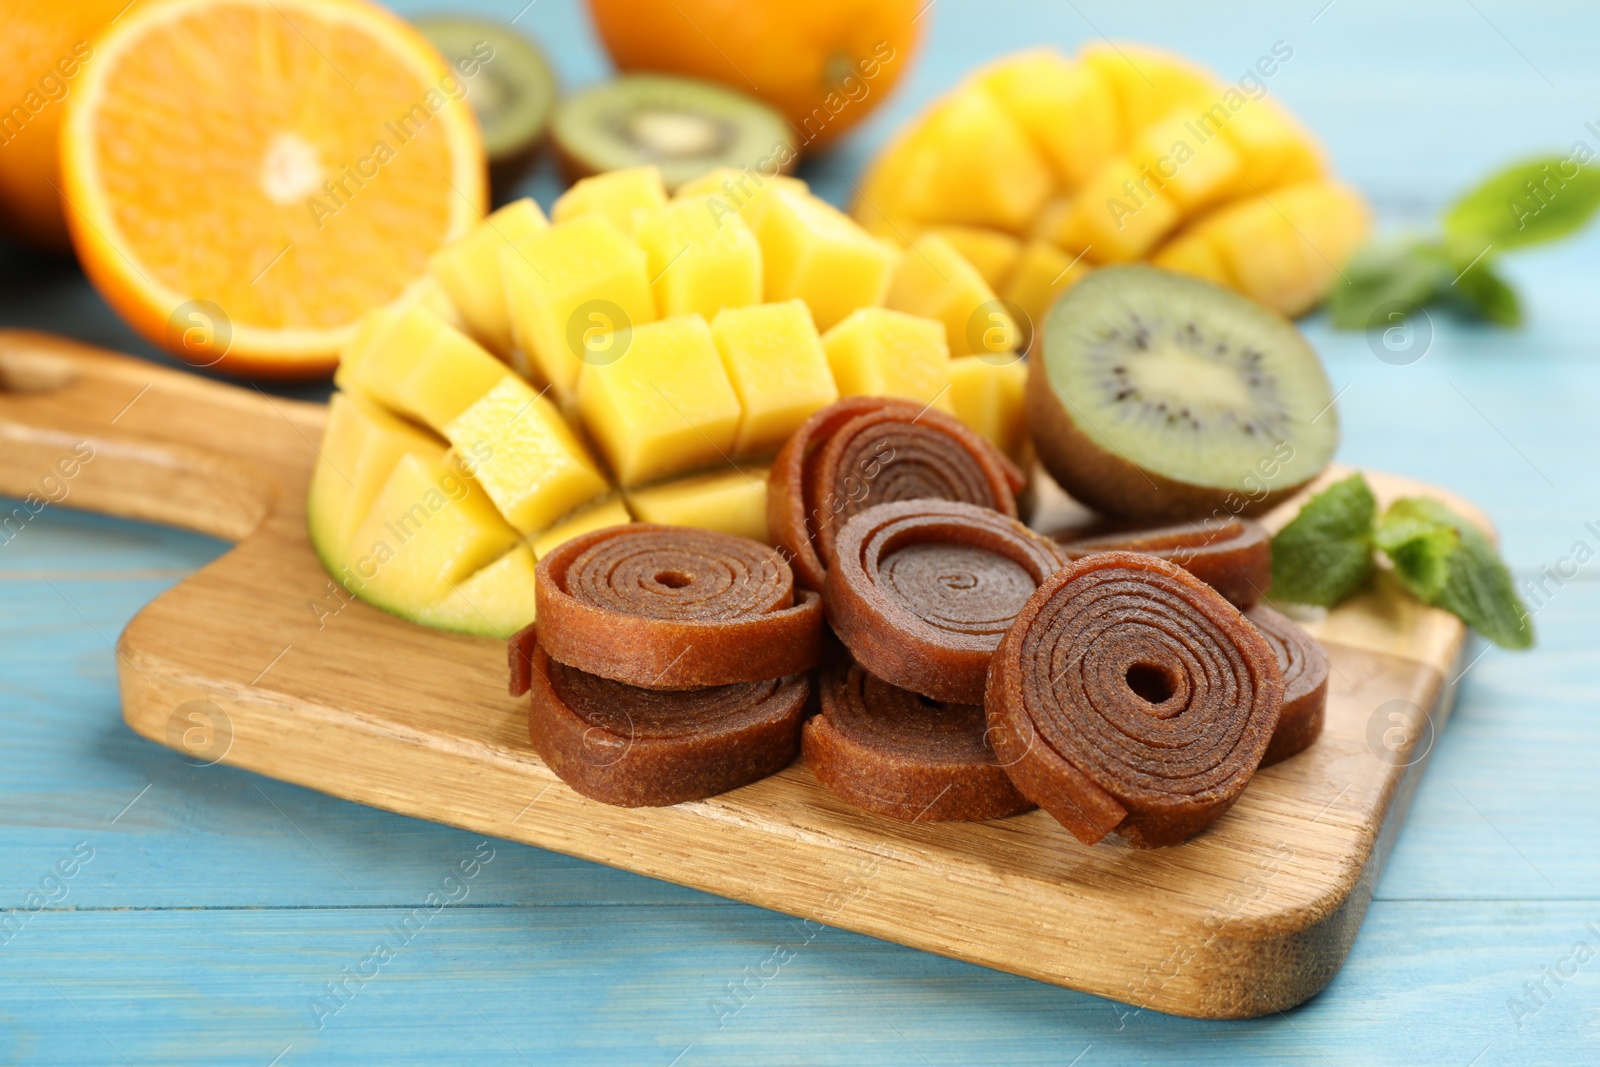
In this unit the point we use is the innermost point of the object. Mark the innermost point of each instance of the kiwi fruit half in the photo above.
(509, 85)
(1154, 395)
(685, 127)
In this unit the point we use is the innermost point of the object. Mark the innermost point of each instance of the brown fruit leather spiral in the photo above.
(861, 451)
(1305, 683)
(921, 591)
(891, 752)
(633, 747)
(1129, 696)
(1234, 557)
(672, 607)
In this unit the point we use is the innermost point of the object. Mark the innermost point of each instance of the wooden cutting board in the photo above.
(260, 661)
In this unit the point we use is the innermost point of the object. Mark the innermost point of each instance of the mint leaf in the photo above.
(1325, 552)
(1446, 561)
(1482, 292)
(1526, 203)
(1388, 279)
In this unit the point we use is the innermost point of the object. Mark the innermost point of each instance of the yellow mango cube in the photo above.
(740, 191)
(878, 352)
(568, 287)
(1191, 252)
(1275, 149)
(1194, 167)
(616, 194)
(1147, 82)
(1043, 272)
(935, 281)
(1284, 249)
(1067, 108)
(468, 270)
(994, 253)
(774, 360)
(429, 528)
(813, 252)
(664, 405)
(947, 179)
(1121, 214)
(518, 447)
(423, 368)
(359, 450)
(700, 259)
(988, 397)
(591, 517)
(497, 601)
(731, 501)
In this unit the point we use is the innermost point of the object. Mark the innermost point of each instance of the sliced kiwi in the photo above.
(509, 84)
(683, 126)
(1158, 396)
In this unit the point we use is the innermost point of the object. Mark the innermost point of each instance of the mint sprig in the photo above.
(1528, 203)
(1448, 562)
(1325, 552)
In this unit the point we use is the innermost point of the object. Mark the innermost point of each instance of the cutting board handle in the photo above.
(85, 428)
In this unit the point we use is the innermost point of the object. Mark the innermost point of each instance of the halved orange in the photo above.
(244, 179)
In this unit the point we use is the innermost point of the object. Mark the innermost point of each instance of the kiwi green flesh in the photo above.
(1156, 395)
(684, 127)
(509, 82)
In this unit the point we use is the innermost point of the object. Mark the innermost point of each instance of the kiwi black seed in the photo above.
(1158, 396)
(684, 127)
(509, 85)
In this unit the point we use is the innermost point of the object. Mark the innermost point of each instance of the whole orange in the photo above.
(824, 63)
(43, 51)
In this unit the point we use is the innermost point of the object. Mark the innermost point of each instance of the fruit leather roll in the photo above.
(1232, 556)
(633, 747)
(671, 607)
(1129, 696)
(1305, 683)
(891, 752)
(922, 590)
(862, 451)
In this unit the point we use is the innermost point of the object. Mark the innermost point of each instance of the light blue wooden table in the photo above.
(206, 907)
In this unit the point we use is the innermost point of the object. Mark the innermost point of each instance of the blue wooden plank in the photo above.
(1428, 982)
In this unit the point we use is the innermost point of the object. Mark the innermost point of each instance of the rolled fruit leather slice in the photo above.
(892, 752)
(1305, 683)
(921, 591)
(1232, 556)
(1130, 697)
(672, 607)
(861, 451)
(633, 747)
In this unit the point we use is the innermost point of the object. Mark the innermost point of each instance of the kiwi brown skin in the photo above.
(1111, 485)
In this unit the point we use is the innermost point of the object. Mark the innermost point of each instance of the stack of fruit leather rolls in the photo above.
(867, 450)
(668, 663)
(920, 592)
